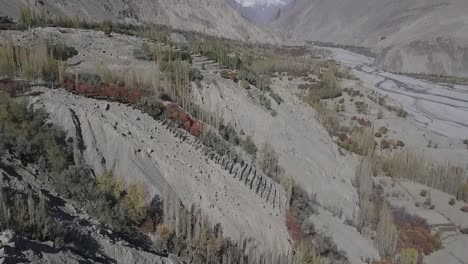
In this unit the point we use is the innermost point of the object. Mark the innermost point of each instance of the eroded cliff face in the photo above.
(133, 145)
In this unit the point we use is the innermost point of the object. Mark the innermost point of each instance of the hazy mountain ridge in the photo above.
(212, 17)
(408, 36)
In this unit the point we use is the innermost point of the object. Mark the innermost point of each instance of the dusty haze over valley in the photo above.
(234, 131)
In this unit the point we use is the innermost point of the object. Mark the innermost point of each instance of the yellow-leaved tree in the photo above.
(136, 200)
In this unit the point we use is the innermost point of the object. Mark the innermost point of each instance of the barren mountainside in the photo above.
(413, 36)
(408, 36)
(212, 17)
(234, 131)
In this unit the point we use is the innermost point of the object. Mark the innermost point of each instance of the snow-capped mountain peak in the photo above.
(250, 3)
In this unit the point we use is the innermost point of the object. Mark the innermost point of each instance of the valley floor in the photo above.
(440, 108)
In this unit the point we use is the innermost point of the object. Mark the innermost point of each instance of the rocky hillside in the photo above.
(408, 36)
(142, 144)
(414, 36)
(212, 17)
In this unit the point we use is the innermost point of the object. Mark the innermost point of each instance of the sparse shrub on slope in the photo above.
(25, 133)
(380, 114)
(63, 52)
(249, 146)
(26, 215)
(245, 84)
(165, 232)
(265, 101)
(151, 105)
(131, 198)
(269, 164)
(75, 183)
(225, 74)
(327, 88)
(306, 254)
(107, 27)
(401, 112)
(136, 200)
(195, 75)
(229, 134)
(207, 248)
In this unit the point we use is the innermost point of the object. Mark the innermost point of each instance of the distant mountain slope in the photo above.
(418, 36)
(212, 17)
(423, 36)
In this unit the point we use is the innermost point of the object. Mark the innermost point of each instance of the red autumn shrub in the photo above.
(9, 86)
(364, 122)
(95, 88)
(414, 232)
(196, 129)
(294, 227)
(148, 226)
(175, 112)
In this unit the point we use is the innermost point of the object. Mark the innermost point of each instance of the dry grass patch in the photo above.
(363, 140)
(328, 118)
(296, 66)
(36, 63)
(446, 177)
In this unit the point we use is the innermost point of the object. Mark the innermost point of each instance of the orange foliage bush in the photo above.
(111, 91)
(414, 232)
(122, 94)
(189, 124)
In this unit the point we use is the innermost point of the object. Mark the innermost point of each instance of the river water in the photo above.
(438, 107)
